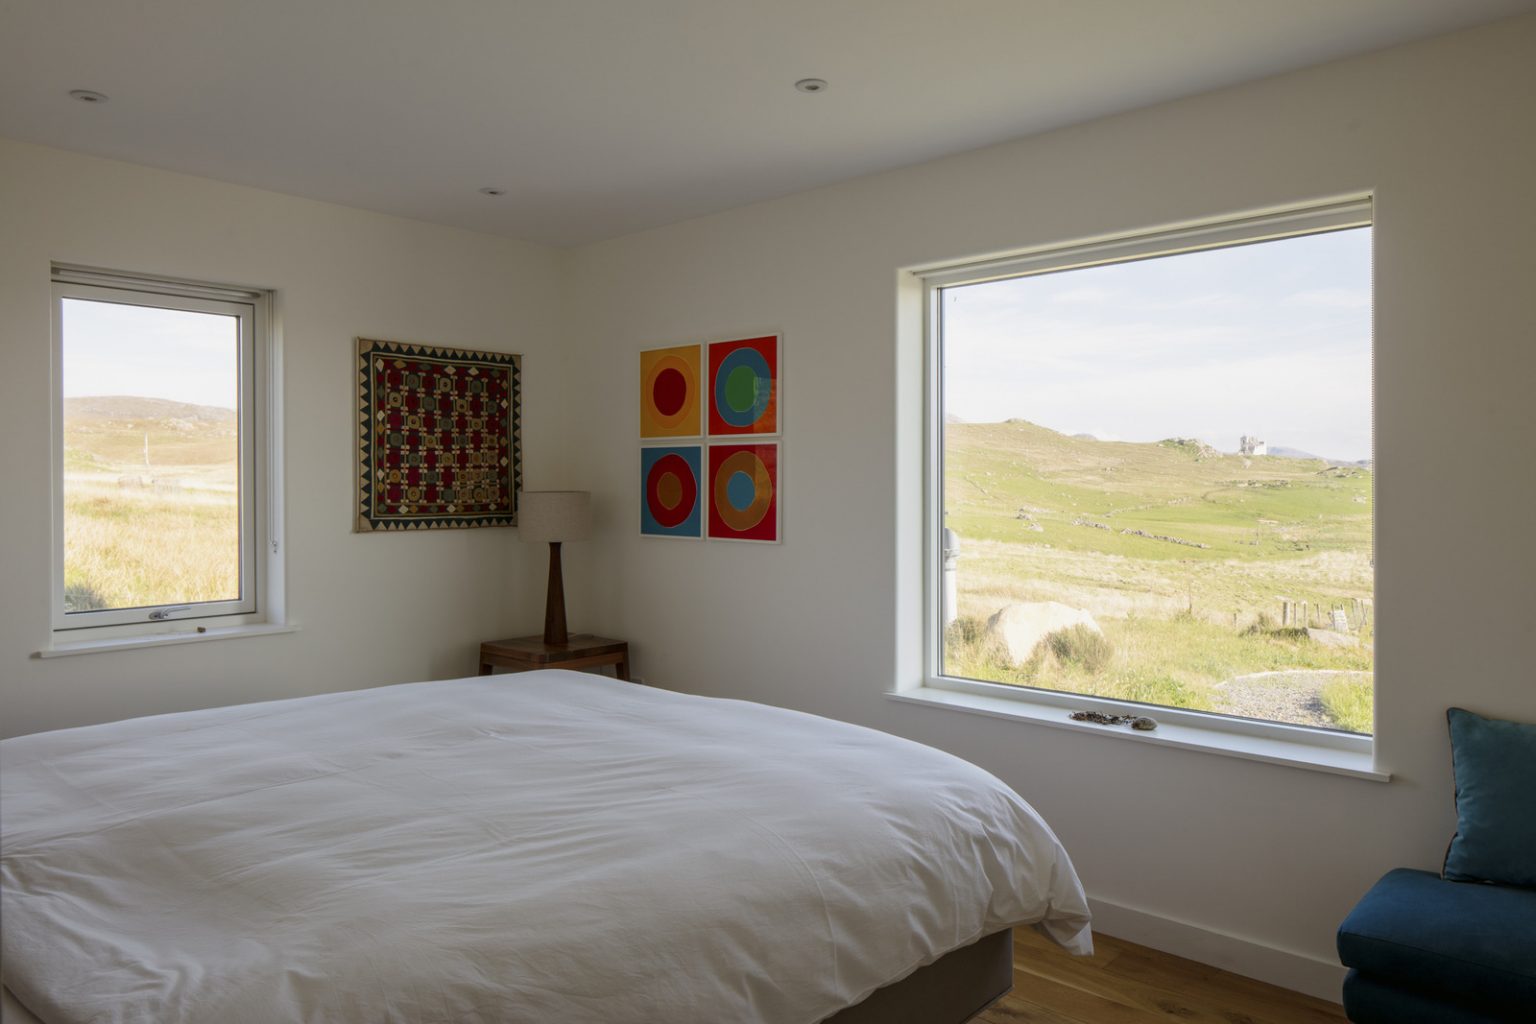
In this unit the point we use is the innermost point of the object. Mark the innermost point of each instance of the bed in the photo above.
(542, 847)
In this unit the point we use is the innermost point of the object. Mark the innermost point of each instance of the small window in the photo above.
(1152, 471)
(158, 453)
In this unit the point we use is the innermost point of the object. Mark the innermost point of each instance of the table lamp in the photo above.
(553, 517)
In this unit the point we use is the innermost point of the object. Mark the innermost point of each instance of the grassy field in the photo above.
(151, 503)
(1183, 555)
(1350, 704)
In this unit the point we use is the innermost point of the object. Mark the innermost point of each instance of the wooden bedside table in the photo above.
(525, 653)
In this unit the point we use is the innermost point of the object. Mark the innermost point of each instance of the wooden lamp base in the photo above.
(554, 601)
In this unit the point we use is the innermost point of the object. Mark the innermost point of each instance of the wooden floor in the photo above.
(1123, 983)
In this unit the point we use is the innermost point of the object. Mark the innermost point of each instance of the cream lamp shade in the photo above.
(554, 516)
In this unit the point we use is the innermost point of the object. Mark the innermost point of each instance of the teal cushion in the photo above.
(1495, 766)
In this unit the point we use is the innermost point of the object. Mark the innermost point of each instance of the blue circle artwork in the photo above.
(740, 491)
(743, 359)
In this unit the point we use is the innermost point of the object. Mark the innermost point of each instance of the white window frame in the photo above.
(1316, 218)
(261, 569)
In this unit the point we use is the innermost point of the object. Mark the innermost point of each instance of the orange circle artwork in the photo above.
(669, 392)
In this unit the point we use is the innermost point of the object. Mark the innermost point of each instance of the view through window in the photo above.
(1157, 480)
(151, 400)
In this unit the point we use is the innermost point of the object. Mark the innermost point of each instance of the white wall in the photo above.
(373, 609)
(1253, 858)
(1258, 858)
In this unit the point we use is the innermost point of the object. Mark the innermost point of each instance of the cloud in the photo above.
(1332, 298)
(1083, 294)
(1208, 300)
(118, 349)
(1272, 340)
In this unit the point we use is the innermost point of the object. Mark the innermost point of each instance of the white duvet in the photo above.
(547, 847)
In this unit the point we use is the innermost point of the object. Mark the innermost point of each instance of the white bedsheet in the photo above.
(547, 847)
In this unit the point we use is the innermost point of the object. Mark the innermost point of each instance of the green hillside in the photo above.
(1186, 558)
(1002, 480)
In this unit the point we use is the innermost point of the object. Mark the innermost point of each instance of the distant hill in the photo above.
(1291, 453)
(137, 409)
(1296, 453)
(110, 433)
(1177, 498)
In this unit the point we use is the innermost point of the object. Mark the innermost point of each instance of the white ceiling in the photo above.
(602, 117)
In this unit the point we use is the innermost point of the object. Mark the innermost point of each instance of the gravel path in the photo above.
(1289, 696)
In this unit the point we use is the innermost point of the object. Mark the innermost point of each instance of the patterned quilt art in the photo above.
(439, 437)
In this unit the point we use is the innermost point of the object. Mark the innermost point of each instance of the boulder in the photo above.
(1331, 638)
(1021, 627)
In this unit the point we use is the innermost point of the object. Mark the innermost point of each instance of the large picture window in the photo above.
(157, 448)
(1152, 470)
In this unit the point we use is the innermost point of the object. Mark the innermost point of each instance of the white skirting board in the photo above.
(1300, 972)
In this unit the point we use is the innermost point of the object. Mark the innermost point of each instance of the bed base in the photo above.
(953, 989)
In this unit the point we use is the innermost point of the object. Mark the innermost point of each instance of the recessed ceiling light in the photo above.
(811, 85)
(87, 96)
(488, 191)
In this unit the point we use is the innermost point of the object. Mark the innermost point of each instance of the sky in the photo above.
(116, 349)
(1272, 340)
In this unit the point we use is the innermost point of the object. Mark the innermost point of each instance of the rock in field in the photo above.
(1021, 627)
(1332, 638)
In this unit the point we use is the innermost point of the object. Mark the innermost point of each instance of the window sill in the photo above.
(1212, 740)
(64, 648)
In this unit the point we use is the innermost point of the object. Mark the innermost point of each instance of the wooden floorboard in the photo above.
(1123, 983)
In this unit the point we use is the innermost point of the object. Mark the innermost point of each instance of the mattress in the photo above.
(547, 846)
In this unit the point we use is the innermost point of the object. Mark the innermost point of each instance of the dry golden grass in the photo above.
(127, 547)
(151, 506)
(1230, 592)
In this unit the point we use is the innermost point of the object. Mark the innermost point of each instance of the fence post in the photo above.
(951, 588)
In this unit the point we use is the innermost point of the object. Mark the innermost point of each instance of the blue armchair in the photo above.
(1458, 947)
(1423, 950)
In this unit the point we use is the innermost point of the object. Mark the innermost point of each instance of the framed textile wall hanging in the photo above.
(439, 437)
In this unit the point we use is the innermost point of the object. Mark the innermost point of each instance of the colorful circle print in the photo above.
(744, 386)
(669, 502)
(744, 492)
(670, 490)
(669, 392)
